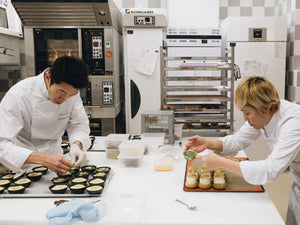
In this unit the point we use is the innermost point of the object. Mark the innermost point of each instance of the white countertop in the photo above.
(143, 196)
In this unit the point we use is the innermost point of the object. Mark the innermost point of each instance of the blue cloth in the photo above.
(74, 210)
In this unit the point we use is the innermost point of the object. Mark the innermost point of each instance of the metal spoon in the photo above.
(191, 207)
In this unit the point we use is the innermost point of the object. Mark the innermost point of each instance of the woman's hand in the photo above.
(196, 143)
(212, 161)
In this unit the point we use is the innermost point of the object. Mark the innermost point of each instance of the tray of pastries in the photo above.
(84, 181)
(199, 178)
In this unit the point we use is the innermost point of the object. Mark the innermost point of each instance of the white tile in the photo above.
(296, 15)
(246, 3)
(258, 11)
(293, 5)
(269, 3)
(284, 8)
(296, 48)
(223, 3)
(233, 11)
(293, 78)
(294, 63)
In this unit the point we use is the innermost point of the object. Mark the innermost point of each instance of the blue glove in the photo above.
(73, 210)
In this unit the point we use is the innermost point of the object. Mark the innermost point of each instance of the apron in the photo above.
(293, 213)
(48, 125)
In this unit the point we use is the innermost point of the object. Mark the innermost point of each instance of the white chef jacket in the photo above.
(282, 134)
(30, 122)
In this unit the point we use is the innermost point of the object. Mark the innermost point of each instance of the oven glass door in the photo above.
(53, 43)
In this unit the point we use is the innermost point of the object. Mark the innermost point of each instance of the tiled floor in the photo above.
(279, 192)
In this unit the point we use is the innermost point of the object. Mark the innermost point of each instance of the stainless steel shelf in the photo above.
(194, 68)
(197, 88)
(196, 78)
(194, 105)
(166, 58)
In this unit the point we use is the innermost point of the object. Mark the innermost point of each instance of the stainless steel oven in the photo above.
(88, 30)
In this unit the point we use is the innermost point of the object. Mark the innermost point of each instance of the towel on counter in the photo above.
(73, 210)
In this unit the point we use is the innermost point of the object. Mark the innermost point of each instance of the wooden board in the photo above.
(235, 183)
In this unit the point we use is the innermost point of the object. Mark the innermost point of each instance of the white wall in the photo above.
(181, 13)
(193, 13)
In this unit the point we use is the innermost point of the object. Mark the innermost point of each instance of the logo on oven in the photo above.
(6, 51)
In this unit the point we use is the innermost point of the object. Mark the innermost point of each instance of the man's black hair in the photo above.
(70, 70)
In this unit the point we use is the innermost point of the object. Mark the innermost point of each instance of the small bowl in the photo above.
(89, 168)
(23, 181)
(60, 180)
(82, 174)
(9, 176)
(79, 180)
(42, 169)
(58, 188)
(95, 189)
(101, 175)
(34, 176)
(16, 189)
(1, 189)
(4, 183)
(77, 188)
(105, 169)
(96, 181)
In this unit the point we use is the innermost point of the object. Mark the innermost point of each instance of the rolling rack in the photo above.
(205, 110)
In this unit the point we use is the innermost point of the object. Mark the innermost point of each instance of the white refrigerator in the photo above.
(143, 32)
(260, 50)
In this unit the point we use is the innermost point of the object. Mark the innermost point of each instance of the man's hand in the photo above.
(56, 163)
(77, 155)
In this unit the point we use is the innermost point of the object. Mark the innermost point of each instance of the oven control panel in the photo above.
(144, 20)
(107, 93)
(93, 50)
(97, 47)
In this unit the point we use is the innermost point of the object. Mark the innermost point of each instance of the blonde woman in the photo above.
(278, 121)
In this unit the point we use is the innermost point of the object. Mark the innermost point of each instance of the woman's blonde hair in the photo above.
(258, 93)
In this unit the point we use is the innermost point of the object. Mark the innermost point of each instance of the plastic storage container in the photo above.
(151, 139)
(130, 161)
(112, 142)
(132, 148)
(163, 163)
(131, 153)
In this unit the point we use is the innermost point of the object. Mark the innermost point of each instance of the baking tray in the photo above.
(40, 189)
(235, 183)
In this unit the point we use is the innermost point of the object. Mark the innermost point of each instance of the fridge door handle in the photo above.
(135, 98)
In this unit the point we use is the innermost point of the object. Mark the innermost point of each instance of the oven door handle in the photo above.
(135, 97)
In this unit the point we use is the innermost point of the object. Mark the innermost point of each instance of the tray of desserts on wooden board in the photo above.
(199, 178)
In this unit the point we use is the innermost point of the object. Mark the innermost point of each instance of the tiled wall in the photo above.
(288, 8)
(247, 8)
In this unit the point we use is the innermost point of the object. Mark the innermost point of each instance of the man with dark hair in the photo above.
(35, 113)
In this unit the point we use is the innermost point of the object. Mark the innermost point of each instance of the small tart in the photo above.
(58, 188)
(97, 181)
(17, 189)
(42, 169)
(8, 176)
(23, 181)
(95, 189)
(79, 180)
(4, 182)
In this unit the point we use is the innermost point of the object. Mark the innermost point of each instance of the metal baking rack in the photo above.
(206, 110)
